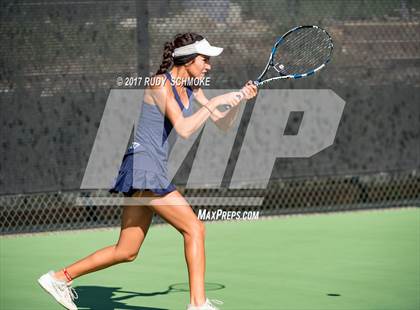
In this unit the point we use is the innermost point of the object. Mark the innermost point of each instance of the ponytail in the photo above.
(168, 59)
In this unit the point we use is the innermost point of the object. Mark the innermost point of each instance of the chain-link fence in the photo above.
(59, 60)
(26, 213)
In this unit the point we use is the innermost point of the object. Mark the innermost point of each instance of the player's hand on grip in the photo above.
(233, 98)
(249, 90)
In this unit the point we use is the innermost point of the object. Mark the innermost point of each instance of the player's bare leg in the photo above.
(135, 224)
(174, 209)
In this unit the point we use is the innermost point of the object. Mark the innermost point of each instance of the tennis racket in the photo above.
(299, 53)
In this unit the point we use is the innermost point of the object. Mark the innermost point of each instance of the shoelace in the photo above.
(68, 290)
(73, 293)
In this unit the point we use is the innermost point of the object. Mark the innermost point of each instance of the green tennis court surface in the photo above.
(357, 260)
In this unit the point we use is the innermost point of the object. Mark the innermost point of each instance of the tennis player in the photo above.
(144, 174)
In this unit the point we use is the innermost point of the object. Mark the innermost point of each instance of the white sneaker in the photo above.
(60, 290)
(208, 305)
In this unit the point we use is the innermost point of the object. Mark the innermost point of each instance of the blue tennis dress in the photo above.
(144, 166)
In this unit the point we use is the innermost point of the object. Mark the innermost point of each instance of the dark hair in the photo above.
(179, 40)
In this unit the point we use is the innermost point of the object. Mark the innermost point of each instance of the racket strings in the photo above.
(310, 46)
(305, 55)
(304, 50)
(309, 57)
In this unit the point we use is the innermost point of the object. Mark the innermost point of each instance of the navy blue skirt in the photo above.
(130, 180)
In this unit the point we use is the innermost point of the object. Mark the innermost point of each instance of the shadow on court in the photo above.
(105, 298)
(100, 297)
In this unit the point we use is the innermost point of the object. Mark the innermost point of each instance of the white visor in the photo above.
(200, 47)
